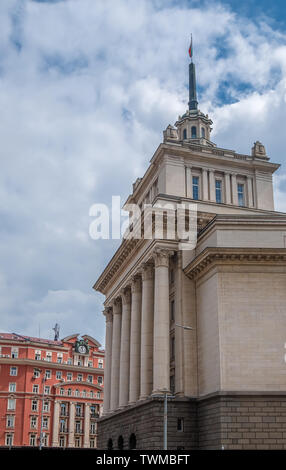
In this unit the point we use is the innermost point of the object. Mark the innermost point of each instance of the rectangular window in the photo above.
(218, 191)
(45, 422)
(79, 377)
(100, 380)
(47, 374)
(10, 423)
(240, 194)
(62, 441)
(196, 188)
(34, 405)
(13, 370)
(91, 443)
(12, 387)
(46, 406)
(48, 356)
(37, 355)
(100, 363)
(33, 439)
(59, 358)
(69, 376)
(58, 375)
(47, 389)
(9, 439)
(11, 404)
(14, 353)
(92, 428)
(90, 379)
(69, 361)
(98, 395)
(36, 373)
(180, 424)
(34, 422)
(35, 388)
(90, 364)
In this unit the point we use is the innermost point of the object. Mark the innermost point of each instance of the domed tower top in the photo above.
(194, 126)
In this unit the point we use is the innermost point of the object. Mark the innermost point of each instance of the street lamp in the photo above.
(166, 396)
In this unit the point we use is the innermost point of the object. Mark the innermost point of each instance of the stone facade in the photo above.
(206, 324)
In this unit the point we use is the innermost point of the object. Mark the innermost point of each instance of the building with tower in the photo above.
(205, 326)
(51, 392)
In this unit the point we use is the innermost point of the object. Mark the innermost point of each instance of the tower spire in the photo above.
(193, 102)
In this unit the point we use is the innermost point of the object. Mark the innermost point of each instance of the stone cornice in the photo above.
(50, 365)
(239, 256)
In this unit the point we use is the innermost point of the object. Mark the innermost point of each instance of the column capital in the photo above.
(107, 312)
(147, 271)
(161, 257)
(116, 306)
(125, 295)
(136, 284)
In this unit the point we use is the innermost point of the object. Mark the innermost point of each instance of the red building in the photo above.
(52, 389)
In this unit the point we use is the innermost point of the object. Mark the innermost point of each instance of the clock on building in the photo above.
(81, 347)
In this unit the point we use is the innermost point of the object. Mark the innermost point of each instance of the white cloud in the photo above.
(86, 89)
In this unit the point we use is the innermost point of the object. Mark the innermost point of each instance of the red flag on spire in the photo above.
(191, 48)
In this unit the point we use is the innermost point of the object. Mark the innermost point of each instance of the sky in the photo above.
(86, 89)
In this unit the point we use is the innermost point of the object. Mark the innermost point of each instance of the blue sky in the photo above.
(86, 89)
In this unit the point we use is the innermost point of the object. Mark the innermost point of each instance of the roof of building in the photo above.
(17, 337)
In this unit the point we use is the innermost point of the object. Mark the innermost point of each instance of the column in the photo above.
(250, 192)
(234, 189)
(55, 440)
(135, 335)
(227, 188)
(71, 424)
(115, 363)
(108, 356)
(125, 348)
(86, 425)
(189, 182)
(205, 185)
(179, 331)
(146, 379)
(212, 186)
(161, 349)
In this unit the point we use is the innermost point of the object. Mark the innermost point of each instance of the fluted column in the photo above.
(135, 343)
(234, 189)
(179, 331)
(125, 348)
(71, 424)
(86, 425)
(55, 440)
(205, 185)
(108, 358)
(250, 192)
(227, 188)
(146, 378)
(212, 186)
(161, 350)
(115, 363)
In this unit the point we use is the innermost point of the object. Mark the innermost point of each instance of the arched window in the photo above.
(184, 133)
(132, 441)
(120, 443)
(203, 132)
(194, 132)
(109, 444)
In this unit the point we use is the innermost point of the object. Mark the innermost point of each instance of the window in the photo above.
(218, 191)
(12, 387)
(33, 439)
(93, 411)
(9, 439)
(100, 380)
(34, 405)
(90, 364)
(93, 428)
(45, 422)
(77, 427)
(76, 393)
(195, 188)
(90, 379)
(36, 373)
(64, 409)
(11, 404)
(69, 361)
(180, 424)
(59, 358)
(10, 423)
(100, 363)
(58, 375)
(203, 132)
(84, 393)
(62, 391)
(194, 132)
(92, 443)
(13, 370)
(48, 356)
(77, 442)
(46, 406)
(184, 133)
(69, 392)
(91, 394)
(35, 388)
(62, 441)
(63, 427)
(79, 377)
(69, 376)
(47, 374)
(240, 193)
(14, 353)
(78, 410)
(47, 389)
(37, 355)
(34, 422)
(98, 395)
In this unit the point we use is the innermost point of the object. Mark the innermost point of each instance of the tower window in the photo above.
(195, 188)
(184, 133)
(218, 191)
(203, 132)
(240, 193)
(194, 132)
